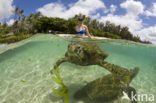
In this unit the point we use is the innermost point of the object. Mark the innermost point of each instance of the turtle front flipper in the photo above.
(115, 69)
(56, 65)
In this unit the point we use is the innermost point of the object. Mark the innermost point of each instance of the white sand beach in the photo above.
(73, 35)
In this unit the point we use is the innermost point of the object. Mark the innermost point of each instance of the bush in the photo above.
(111, 35)
(14, 38)
(97, 32)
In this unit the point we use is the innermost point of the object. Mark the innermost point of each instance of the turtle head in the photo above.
(104, 54)
(75, 49)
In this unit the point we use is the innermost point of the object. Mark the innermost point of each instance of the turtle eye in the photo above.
(77, 49)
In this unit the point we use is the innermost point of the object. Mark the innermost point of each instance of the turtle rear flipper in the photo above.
(134, 72)
(131, 91)
(114, 69)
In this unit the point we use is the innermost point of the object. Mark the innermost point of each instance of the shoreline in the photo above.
(70, 36)
(74, 35)
(14, 38)
(94, 38)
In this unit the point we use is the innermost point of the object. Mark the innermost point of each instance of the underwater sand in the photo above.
(25, 69)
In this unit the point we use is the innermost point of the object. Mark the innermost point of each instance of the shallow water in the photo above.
(25, 70)
(2, 46)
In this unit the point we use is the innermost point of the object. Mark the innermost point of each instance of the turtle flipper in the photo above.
(134, 72)
(131, 91)
(56, 65)
(114, 69)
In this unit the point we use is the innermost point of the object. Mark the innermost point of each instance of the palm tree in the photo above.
(4, 25)
(38, 15)
(18, 14)
(19, 20)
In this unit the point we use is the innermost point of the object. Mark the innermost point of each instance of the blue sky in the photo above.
(30, 6)
(138, 15)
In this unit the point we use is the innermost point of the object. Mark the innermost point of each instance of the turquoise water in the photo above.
(25, 69)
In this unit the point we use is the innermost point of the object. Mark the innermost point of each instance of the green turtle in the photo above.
(88, 53)
(109, 88)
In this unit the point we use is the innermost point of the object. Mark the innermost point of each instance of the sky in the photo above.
(138, 15)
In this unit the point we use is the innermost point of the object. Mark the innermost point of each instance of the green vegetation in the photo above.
(23, 81)
(36, 23)
(63, 90)
(4, 29)
(14, 38)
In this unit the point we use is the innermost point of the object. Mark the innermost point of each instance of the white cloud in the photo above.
(87, 7)
(151, 11)
(124, 20)
(113, 8)
(133, 7)
(148, 34)
(131, 18)
(10, 22)
(96, 16)
(6, 8)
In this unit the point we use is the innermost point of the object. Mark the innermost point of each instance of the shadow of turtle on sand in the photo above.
(73, 88)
